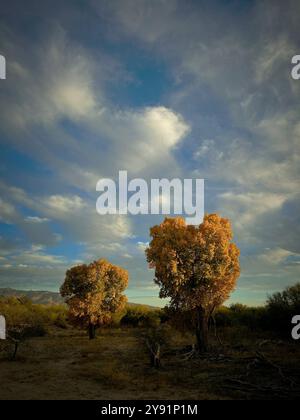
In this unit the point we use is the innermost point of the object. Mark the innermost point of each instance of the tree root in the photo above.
(248, 387)
(191, 354)
(268, 362)
(260, 359)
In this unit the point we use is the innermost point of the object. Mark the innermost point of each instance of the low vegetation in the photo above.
(142, 355)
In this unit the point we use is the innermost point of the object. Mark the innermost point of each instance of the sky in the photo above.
(162, 89)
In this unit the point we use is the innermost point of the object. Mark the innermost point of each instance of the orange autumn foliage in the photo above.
(195, 266)
(94, 292)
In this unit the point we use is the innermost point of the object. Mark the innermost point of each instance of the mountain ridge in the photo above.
(44, 297)
(36, 296)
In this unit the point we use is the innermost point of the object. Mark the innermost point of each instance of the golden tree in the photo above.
(195, 266)
(94, 293)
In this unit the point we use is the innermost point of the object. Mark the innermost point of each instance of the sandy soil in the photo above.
(66, 365)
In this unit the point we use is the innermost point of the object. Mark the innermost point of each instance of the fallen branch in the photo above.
(268, 362)
(155, 353)
(241, 385)
(16, 346)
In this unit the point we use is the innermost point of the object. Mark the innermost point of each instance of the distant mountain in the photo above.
(40, 297)
(49, 298)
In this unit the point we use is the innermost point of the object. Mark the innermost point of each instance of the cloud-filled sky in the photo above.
(160, 88)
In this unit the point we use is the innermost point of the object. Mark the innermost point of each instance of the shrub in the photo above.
(141, 316)
(280, 309)
(156, 339)
(21, 311)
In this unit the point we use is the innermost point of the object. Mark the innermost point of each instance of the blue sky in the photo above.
(188, 89)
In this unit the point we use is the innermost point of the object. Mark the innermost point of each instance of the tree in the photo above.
(94, 293)
(289, 299)
(281, 307)
(195, 266)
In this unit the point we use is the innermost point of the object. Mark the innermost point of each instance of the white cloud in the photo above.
(142, 246)
(276, 256)
(143, 138)
(8, 213)
(36, 219)
(127, 256)
(245, 208)
(67, 84)
(59, 87)
(272, 55)
(36, 256)
(60, 206)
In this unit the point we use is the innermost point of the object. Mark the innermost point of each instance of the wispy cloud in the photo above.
(229, 113)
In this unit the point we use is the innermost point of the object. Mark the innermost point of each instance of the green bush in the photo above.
(281, 308)
(21, 311)
(274, 317)
(141, 316)
(241, 315)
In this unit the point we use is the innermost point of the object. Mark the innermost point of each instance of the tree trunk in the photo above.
(92, 331)
(202, 330)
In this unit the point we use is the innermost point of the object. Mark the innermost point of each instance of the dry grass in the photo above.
(66, 365)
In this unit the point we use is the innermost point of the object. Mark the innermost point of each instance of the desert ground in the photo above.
(66, 365)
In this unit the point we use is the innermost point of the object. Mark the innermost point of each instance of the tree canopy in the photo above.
(94, 293)
(195, 266)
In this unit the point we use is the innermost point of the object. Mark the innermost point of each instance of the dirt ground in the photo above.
(66, 365)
